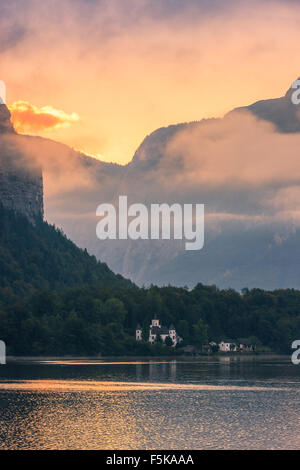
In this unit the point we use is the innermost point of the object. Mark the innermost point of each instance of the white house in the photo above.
(227, 345)
(246, 345)
(240, 344)
(156, 329)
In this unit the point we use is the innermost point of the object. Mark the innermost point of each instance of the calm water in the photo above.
(224, 403)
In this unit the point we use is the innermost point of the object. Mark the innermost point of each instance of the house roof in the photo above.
(156, 330)
(164, 330)
(172, 327)
(138, 327)
(245, 341)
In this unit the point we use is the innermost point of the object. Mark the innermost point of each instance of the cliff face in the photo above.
(21, 182)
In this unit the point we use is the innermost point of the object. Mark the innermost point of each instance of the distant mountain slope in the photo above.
(40, 257)
(252, 230)
(279, 111)
(244, 167)
(21, 181)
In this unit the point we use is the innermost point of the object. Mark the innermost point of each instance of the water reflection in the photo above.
(150, 404)
(90, 385)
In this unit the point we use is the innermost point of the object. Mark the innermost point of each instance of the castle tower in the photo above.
(138, 333)
(155, 322)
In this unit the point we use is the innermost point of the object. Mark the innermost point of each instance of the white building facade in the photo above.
(156, 329)
(240, 344)
(227, 345)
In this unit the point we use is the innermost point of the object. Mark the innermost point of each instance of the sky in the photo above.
(100, 75)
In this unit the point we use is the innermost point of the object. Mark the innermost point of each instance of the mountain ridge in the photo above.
(156, 175)
(21, 182)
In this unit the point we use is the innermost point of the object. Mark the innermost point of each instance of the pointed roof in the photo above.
(138, 327)
(156, 330)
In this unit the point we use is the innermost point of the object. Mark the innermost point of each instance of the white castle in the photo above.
(156, 329)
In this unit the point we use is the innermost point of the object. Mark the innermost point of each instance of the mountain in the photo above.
(33, 254)
(279, 111)
(244, 167)
(56, 299)
(21, 181)
(40, 257)
(6, 126)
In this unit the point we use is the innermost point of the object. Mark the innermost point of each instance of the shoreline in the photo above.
(146, 358)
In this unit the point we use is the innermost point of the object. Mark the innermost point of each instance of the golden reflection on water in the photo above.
(101, 386)
(110, 363)
(71, 421)
(96, 408)
(49, 414)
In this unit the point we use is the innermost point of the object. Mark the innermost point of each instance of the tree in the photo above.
(158, 338)
(114, 311)
(200, 333)
(145, 331)
(214, 348)
(168, 341)
(183, 329)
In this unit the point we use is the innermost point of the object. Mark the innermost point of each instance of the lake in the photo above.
(202, 403)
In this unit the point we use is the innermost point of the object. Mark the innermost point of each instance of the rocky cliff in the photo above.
(21, 182)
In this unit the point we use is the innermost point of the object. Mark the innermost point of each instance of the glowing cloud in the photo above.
(29, 118)
(132, 66)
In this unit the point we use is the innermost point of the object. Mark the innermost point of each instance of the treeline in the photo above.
(93, 319)
(40, 257)
(56, 299)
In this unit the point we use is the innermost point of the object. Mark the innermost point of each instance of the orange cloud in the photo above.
(130, 77)
(27, 117)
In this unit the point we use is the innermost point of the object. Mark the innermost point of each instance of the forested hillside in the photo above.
(56, 299)
(40, 257)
